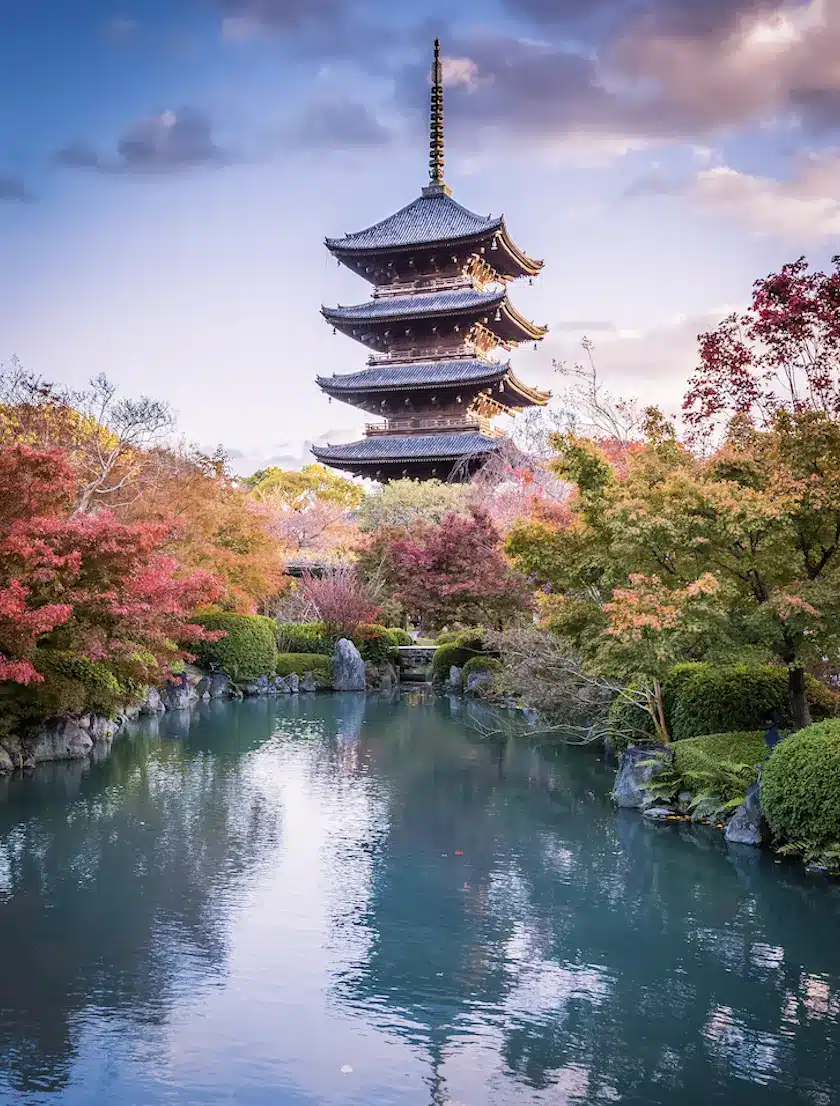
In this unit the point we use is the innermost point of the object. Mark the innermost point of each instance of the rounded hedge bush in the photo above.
(800, 786)
(301, 663)
(447, 655)
(738, 697)
(481, 664)
(376, 643)
(249, 648)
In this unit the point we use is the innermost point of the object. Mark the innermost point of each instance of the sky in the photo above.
(170, 168)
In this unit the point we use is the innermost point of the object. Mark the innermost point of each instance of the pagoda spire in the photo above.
(437, 184)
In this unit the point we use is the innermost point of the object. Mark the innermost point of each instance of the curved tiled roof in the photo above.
(427, 303)
(409, 447)
(416, 375)
(436, 218)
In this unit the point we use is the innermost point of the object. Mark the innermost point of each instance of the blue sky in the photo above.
(168, 171)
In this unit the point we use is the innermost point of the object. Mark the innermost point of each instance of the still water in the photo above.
(339, 900)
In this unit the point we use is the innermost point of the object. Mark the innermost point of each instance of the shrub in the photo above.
(447, 655)
(248, 650)
(301, 663)
(738, 697)
(721, 766)
(72, 685)
(481, 664)
(800, 788)
(375, 643)
(400, 636)
(304, 637)
(628, 724)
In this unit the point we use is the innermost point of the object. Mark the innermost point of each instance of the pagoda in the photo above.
(438, 313)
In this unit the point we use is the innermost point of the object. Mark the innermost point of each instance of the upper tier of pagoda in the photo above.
(432, 234)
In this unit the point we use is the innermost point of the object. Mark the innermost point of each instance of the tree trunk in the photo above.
(657, 711)
(798, 698)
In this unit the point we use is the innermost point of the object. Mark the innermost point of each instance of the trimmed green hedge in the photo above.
(249, 648)
(301, 663)
(458, 649)
(738, 697)
(481, 664)
(800, 787)
(720, 765)
(376, 643)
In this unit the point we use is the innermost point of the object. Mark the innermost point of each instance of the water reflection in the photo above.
(248, 900)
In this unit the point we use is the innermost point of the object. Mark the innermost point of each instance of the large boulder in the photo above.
(153, 703)
(178, 696)
(281, 686)
(308, 682)
(456, 678)
(293, 680)
(637, 766)
(102, 730)
(6, 762)
(348, 668)
(58, 739)
(747, 825)
(218, 685)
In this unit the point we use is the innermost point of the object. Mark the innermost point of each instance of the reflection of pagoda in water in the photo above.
(439, 309)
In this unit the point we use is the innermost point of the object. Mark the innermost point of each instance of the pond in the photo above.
(339, 900)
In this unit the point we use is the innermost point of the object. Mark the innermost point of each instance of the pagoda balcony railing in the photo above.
(423, 284)
(406, 354)
(424, 424)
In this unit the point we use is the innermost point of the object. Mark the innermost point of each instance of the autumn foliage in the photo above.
(85, 585)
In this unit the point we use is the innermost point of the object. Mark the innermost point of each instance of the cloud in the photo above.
(340, 125)
(653, 183)
(245, 18)
(164, 143)
(624, 75)
(13, 190)
(805, 206)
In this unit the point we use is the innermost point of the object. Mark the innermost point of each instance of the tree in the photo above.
(84, 586)
(455, 573)
(340, 599)
(106, 437)
(782, 353)
(405, 502)
(298, 489)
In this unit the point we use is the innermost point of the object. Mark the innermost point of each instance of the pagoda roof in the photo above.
(409, 447)
(430, 219)
(460, 301)
(434, 374)
(436, 218)
(425, 303)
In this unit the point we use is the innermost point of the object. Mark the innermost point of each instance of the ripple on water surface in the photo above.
(349, 900)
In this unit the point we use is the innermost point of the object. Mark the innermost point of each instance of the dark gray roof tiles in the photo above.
(410, 447)
(417, 375)
(435, 218)
(426, 303)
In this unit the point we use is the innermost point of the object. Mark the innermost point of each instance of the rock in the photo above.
(102, 730)
(308, 682)
(202, 688)
(293, 680)
(635, 770)
(747, 825)
(131, 713)
(218, 685)
(281, 686)
(252, 688)
(456, 678)
(348, 668)
(153, 703)
(6, 762)
(388, 678)
(478, 680)
(61, 739)
(684, 798)
(178, 696)
(658, 813)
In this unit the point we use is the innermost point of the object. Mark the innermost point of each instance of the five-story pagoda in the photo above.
(439, 310)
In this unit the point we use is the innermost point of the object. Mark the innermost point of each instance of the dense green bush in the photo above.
(301, 663)
(720, 766)
(72, 685)
(800, 788)
(481, 664)
(375, 643)
(738, 697)
(447, 655)
(249, 648)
